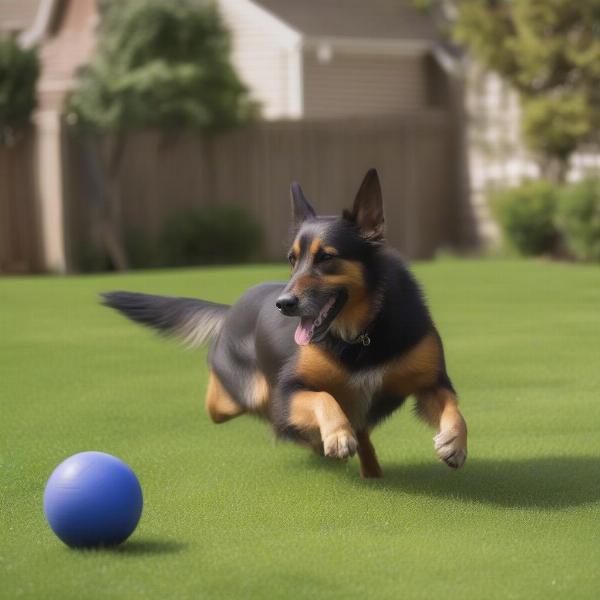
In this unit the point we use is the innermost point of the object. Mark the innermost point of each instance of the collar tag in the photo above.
(364, 339)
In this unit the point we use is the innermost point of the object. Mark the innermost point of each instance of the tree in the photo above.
(19, 71)
(161, 65)
(547, 50)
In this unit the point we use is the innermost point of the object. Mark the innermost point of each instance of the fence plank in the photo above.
(19, 230)
(253, 167)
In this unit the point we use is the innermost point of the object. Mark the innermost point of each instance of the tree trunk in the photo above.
(554, 169)
(113, 234)
(104, 162)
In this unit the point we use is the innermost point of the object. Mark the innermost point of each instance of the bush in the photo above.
(91, 258)
(19, 71)
(579, 219)
(226, 234)
(526, 215)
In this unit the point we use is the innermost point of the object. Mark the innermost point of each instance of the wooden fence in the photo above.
(19, 220)
(161, 174)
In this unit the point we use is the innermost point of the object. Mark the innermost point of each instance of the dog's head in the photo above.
(333, 265)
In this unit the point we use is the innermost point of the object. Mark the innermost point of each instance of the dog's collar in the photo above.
(362, 338)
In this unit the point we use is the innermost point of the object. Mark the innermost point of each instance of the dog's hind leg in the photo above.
(369, 465)
(439, 407)
(219, 404)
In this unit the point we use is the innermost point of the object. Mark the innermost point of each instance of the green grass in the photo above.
(230, 513)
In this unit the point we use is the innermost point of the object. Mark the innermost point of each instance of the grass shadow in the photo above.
(548, 482)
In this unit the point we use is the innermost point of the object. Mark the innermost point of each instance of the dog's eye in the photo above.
(323, 256)
(292, 259)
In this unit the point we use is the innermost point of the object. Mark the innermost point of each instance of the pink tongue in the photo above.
(304, 332)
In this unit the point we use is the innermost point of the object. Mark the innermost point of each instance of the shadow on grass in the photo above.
(550, 482)
(145, 547)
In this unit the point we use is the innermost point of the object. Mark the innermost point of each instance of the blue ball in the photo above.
(93, 499)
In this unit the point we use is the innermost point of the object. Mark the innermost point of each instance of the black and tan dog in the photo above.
(331, 353)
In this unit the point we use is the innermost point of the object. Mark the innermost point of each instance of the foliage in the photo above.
(526, 215)
(142, 250)
(225, 234)
(92, 258)
(550, 52)
(219, 235)
(19, 71)
(579, 218)
(163, 65)
(556, 122)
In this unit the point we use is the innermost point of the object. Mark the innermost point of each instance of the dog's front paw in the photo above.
(340, 444)
(451, 447)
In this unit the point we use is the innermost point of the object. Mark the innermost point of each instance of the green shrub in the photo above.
(224, 234)
(91, 258)
(526, 215)
(19, 71)
(579, 219)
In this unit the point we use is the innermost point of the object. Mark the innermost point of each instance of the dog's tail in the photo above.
(191, 321)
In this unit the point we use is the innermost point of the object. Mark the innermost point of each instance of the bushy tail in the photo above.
(192, 321)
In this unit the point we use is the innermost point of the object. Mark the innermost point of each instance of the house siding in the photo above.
(497, 153)
(67, 47)
(354, 85)
(17, 15)
(265, 61)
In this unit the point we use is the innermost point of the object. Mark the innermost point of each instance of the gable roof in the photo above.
(18, 15)
(365, 19)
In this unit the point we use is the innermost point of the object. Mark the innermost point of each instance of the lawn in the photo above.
(231, 513)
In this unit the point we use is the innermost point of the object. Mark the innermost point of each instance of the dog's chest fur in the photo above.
(415, 370)
(365, 385)
(354, 391)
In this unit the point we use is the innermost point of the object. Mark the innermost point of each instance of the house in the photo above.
(497, 154)
(301, 60)
(64, 31)
(336, 58)
(18, 16)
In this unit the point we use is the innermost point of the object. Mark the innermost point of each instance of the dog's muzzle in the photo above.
(288, 304)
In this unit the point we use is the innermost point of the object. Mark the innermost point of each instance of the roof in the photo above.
(18, 15)
(365, 19)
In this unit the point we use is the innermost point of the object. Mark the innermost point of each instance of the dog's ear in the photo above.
(301, 209)
(367, 212)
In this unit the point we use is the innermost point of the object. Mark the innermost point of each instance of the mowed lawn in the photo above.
(231, 513)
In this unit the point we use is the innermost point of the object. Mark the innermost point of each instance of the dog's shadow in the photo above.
(549, 482)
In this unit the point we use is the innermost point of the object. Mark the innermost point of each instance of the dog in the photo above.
(329, 354)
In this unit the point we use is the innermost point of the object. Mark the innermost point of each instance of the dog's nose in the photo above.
(287, 304)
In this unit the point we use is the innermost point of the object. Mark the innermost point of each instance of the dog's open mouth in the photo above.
(314, 328)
